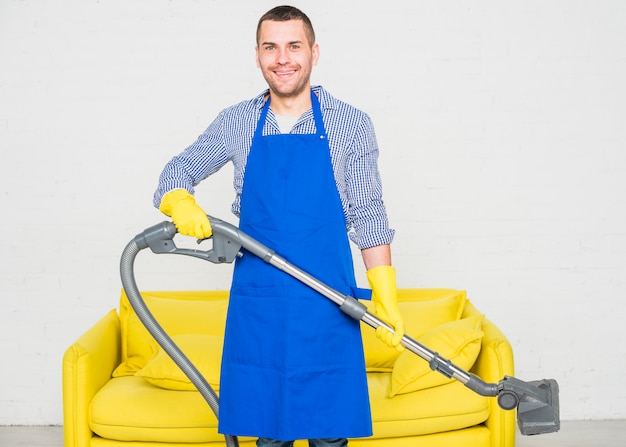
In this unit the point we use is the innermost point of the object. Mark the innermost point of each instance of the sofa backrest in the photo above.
(204, 312)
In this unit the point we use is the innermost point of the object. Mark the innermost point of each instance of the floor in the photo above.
(572, 434)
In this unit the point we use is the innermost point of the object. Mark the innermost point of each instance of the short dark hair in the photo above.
(283, 14)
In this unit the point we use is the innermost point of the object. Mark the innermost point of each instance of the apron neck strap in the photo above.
(317, 115)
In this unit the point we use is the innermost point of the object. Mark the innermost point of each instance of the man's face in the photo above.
(286, 57)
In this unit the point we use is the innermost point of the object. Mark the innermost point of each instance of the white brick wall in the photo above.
(503, 155)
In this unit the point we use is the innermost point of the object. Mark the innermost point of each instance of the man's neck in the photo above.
(293, 106)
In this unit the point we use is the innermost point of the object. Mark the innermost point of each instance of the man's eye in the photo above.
(295, 47)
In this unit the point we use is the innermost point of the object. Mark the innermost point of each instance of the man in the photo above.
(305, 172)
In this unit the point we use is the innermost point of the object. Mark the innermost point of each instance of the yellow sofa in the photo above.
(120, 391)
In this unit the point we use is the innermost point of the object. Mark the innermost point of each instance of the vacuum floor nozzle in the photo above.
(538, 409)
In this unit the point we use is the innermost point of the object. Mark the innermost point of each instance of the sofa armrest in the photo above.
(87, 366)
(494, 362)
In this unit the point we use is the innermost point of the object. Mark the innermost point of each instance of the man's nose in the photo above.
(283, 56)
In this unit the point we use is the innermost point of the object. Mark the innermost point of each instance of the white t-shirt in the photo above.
(286, 123)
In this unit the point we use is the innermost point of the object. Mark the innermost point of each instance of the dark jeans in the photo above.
(331, 442)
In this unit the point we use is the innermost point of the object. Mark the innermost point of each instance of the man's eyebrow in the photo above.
(289, 43)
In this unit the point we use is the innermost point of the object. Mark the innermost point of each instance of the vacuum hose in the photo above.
(159, 334)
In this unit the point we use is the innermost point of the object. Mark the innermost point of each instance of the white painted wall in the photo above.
(502, 130)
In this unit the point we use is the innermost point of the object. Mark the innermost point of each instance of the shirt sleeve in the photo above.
(367, 216)
(203, 158)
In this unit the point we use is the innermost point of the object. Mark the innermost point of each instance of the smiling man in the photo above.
(306, 181)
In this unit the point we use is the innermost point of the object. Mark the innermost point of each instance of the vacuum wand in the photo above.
(537, 402)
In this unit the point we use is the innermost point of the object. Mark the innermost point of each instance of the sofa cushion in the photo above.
(177, 313)
(131, 409)
(422, 310)
(444, 408)
(204, 351)
(458, 341)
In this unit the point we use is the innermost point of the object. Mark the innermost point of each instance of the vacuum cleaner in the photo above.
(537, 402)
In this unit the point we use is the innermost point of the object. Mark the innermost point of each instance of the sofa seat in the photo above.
(131, 409)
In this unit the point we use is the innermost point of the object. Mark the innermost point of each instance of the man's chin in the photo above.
(287, 92)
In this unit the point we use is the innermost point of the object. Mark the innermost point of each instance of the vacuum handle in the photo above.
(227, 242)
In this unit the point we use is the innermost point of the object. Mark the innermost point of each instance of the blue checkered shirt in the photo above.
(353, 151)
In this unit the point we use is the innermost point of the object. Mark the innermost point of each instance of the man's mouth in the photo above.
(284, 73)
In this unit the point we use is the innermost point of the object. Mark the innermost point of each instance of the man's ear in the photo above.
(315, 49)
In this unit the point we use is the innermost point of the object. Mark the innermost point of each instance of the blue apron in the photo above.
(292, 366)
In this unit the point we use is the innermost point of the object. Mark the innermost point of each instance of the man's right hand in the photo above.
(382, 280)
(189, 218)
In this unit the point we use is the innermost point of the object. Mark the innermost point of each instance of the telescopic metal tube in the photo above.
(358, 311)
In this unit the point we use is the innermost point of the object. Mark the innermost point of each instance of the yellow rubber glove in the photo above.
(382, 280)
(189, 218)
